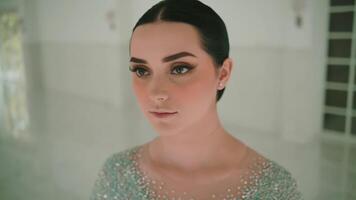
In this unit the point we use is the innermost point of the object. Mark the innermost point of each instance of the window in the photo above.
(14, 120)
(339, 117)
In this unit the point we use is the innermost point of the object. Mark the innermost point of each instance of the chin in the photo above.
(164, 130)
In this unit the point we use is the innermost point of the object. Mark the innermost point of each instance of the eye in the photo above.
(138, 70)
(181, 68)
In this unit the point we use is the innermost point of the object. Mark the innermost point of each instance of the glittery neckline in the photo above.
(249, 180)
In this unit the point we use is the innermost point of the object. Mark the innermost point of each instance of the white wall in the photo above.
(82, 21)
(77, 45)
(78, 87)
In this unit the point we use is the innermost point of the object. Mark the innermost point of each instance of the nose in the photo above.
(158, 92)
(160, 98)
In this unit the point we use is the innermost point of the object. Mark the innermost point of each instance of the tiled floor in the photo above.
(337, 171)
(71, 137)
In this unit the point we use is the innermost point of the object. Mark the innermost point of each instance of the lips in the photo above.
(163, 114)
(163, 111)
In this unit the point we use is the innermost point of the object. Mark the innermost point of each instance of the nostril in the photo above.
(159, 97)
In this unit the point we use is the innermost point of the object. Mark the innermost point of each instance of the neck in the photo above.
(203, 144)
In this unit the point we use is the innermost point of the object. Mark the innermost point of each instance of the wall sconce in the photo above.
(110, 17)
(298, 8)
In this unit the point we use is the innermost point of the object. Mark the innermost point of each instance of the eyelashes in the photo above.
(137, 69)
(178, 70)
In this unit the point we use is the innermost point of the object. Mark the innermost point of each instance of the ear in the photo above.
(224, 73)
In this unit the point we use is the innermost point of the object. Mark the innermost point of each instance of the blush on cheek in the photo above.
(197, 93)
(140, 93)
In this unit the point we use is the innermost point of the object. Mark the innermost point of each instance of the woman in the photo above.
(180, 61)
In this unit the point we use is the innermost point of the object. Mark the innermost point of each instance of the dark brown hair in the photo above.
(210, 26)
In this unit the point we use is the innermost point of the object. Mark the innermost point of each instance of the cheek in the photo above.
(140, 91)
(197, 92)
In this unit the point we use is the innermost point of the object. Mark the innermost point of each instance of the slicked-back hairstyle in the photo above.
(211, 28)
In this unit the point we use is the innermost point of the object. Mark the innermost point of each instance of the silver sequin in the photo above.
(121, 178)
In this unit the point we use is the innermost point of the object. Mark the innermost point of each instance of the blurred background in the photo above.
(66, 102)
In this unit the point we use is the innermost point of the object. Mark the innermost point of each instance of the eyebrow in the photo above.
(165, 59)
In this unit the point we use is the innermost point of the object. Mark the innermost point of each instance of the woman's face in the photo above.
(173, 74)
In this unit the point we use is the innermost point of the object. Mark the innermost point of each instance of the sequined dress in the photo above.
(121, 179)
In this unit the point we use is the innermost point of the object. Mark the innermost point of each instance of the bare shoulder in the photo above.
(275, 180)
(246, 156)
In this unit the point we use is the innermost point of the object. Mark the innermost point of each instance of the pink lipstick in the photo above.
(163, 114)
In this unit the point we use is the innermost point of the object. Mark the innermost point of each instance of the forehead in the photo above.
(162, 38)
